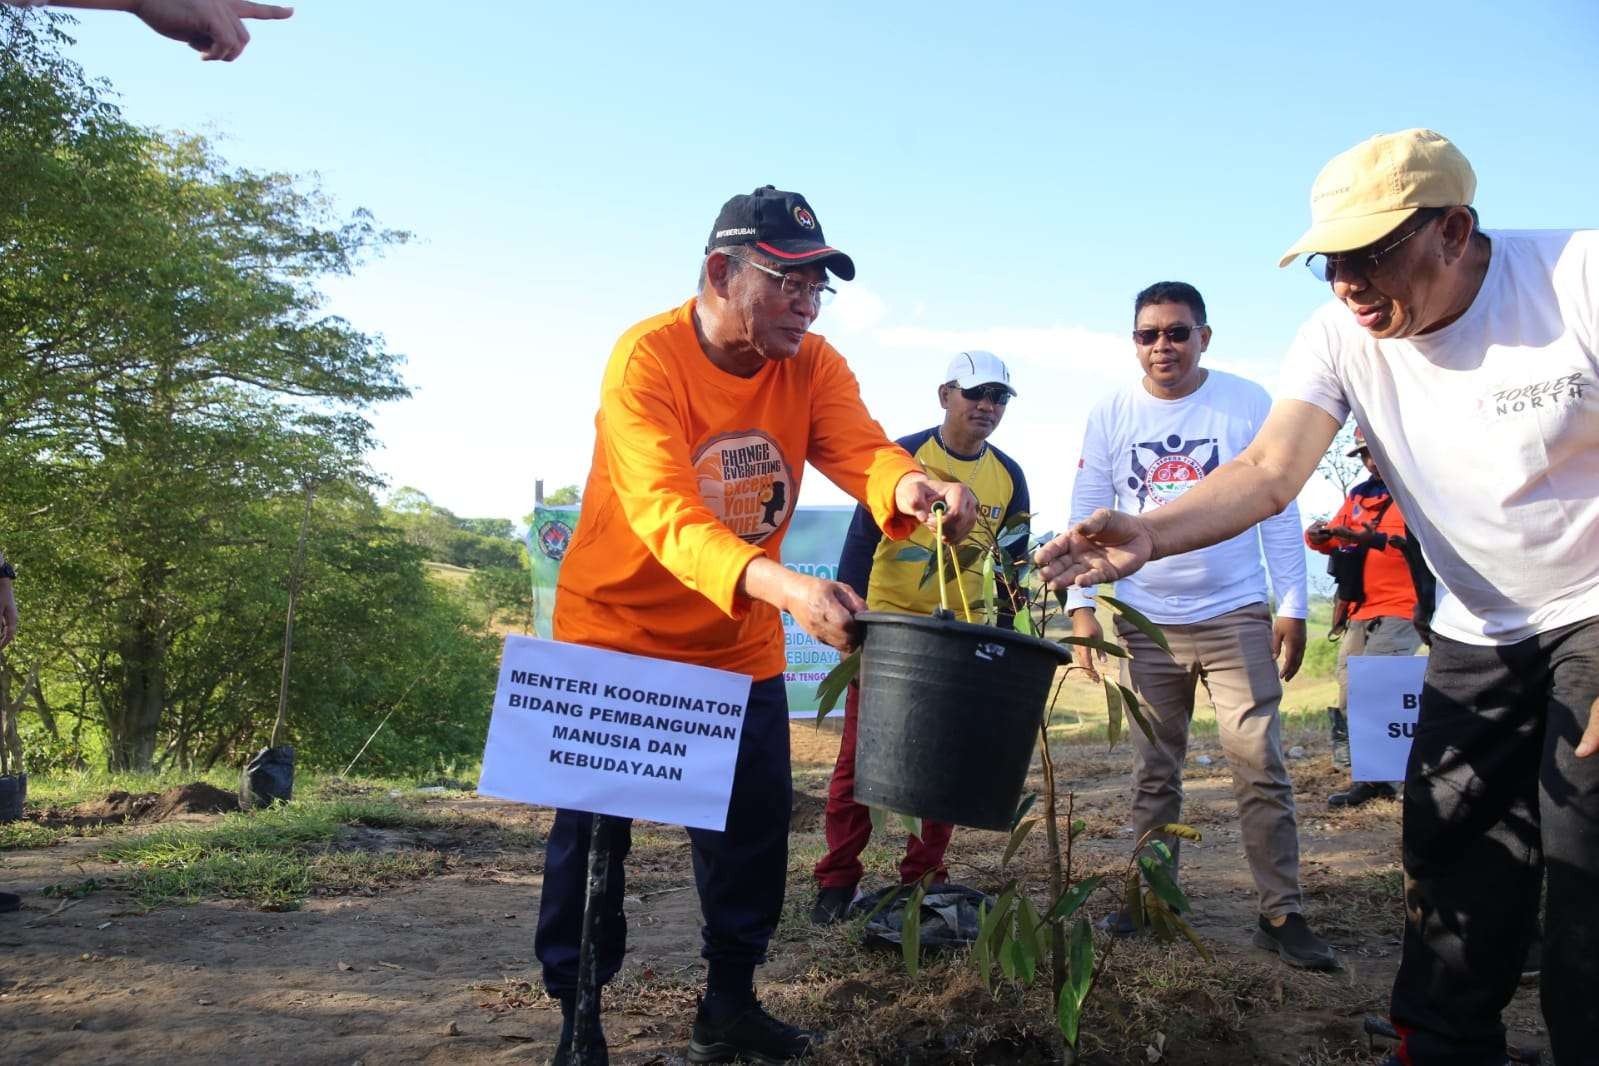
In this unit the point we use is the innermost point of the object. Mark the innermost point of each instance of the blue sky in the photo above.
(1005, 177)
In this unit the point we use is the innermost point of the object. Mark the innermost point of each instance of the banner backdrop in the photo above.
(812, 545)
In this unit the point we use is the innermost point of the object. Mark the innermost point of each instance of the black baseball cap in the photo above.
(782, 225)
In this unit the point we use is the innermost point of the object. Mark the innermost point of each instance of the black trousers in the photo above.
(740, 872)
(1495, 802)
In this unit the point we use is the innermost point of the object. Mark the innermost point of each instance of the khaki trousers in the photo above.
(1231, 655)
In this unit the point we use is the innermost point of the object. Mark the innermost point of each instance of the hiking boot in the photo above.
(1362, 792)
(10, 901)
(753, 1036)
(1295, 944)
(832, 904)
(600, 1055)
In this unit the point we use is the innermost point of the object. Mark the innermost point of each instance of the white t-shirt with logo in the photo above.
(1487, 432)
(1140, 453)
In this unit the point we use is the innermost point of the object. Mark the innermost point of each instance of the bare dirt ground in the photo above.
(441, 970)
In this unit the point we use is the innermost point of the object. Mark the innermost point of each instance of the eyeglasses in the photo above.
(1176, 334)
(818, 292)
(1366, 263)
(992, 393)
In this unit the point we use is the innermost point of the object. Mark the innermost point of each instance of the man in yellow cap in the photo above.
(1472, 360)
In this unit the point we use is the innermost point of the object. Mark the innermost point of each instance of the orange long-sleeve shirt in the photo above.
(695, 473)
(1390, 590)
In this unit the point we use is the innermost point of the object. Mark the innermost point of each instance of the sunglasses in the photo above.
(992, 393)
(1177, 334)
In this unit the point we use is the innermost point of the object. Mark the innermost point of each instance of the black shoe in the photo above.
(832, 904)
(600, 1056)
(1296, 944)
(1362, 792)
(753, 1036)
(10, 901)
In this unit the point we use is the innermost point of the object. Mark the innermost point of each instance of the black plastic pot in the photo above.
(13, 790)
(949, 716)
(267, 778)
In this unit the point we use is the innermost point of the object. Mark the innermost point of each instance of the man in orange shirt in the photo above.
(1366, 541)
(708, 415)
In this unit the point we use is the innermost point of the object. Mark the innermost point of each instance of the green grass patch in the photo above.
(272, 858)
(31, 835)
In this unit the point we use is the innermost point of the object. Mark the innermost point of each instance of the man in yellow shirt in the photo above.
(708, 415)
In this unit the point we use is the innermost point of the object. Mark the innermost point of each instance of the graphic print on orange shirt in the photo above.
(746, 482)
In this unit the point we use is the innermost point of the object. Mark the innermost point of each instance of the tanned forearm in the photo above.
(1263, 480)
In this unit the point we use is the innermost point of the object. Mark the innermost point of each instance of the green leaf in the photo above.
(1161, 848)
(912, 824)
(1024, 622)
(913, 553)
(981, 958)
(879, 821)
(1160, 918)
(1010, 959)
(1113, 711)
(1193, 938)
(1077, 826)
(1162, 884)
(1022, 808)
(1068, 1012)
(833, 685)
(1074, 897)
(1027, 938)
(910, 931)
(1130, 699)
(1098, 645)
(1133, 900)
(1018, 835)
(1142, 624)
(1181, 831)
(1001, 918)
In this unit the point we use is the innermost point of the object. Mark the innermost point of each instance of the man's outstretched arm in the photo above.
(1263, 480)
(214, 28)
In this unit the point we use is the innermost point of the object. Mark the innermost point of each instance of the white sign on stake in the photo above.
(603, 731)
(1384, 694)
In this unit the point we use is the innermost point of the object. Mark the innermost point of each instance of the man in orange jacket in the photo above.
(708, 415)
(1366, 542)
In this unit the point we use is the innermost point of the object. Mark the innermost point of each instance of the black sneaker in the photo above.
(10, 901)
(1295, 944)
(753, 1036)
(1362, 792)
(600, 1056)
(832, 904)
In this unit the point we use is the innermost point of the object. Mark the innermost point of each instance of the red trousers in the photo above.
(849, 824)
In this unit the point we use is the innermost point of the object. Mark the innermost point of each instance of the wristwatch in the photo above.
(7, 570)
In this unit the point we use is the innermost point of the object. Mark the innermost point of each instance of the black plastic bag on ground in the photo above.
(267, 778)
(948, 916)
(13, 790)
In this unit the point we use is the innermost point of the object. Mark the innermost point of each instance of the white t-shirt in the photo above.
(1487, 432)
(1140, 453)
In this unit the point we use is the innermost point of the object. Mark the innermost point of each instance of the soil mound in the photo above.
(197, 797)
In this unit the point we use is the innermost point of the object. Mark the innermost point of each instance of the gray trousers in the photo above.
(1231, 655)
(1384, 635)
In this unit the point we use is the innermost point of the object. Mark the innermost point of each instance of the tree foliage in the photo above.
(170, 381)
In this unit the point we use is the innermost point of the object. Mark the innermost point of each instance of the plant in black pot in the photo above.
(952, 710)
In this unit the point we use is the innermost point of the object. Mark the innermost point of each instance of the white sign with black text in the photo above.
(603, 731)
(1384, 694)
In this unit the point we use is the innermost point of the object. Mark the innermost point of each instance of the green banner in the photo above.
(812, 545)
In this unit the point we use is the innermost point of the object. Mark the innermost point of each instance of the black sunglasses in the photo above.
(993, 393)
(1177, 334)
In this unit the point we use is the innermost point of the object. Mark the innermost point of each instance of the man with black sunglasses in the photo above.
(1146, 447)
(975, 392)
(1471, 359)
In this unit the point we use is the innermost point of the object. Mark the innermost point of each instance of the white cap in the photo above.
(971, 369)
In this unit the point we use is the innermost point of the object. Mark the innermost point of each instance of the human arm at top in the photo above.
(214, 28)
(1261, 482)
